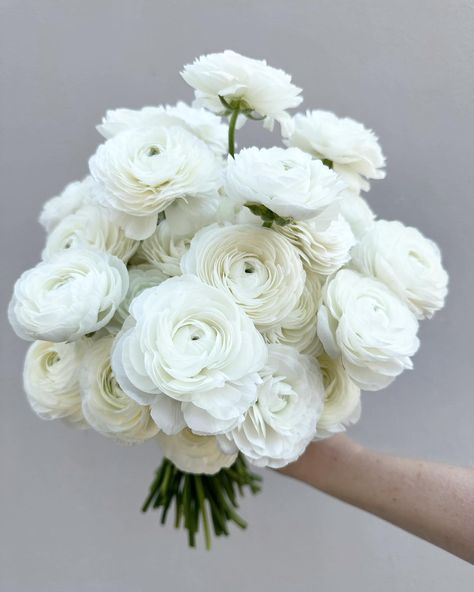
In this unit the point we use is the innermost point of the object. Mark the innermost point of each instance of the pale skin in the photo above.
(432, 501)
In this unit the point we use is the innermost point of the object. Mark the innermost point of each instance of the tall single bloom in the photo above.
(74, 293)
(105, 406)
(282, 422)
(351, 149)
(51, 380)
(407, 262)
(251, 83)
(205, 125)
(287, 181)
(141, 171)
(260, 269)
(192, 354)
(363, 321)
(195, 454)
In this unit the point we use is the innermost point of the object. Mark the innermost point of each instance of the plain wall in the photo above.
(70, 500)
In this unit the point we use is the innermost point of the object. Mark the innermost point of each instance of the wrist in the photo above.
(322, 463)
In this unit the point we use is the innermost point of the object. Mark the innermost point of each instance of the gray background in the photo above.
(69, 500)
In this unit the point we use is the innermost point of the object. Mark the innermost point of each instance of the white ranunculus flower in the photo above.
(105, 406)
(90, 226)
(325, 241)
(140, 278)
(298, 329)
(369, 326)
(242, 215)
(407, 262)
(341, 401)
(74, 293)
(51, 380)
(172, 237)
(282, 422)
(352, 149)
(186, 216)
(195, 454)
(192, 354)
(74, 196)
(260, 269)
(164, 249)
(141, 171)
(356, 211)
(287, 181)
(206, 126)
(245, 81)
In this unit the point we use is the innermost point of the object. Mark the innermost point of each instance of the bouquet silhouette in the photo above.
(229, 304)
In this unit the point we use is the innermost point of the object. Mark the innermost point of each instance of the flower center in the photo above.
(286, 166)
(51, 359)
(249, 268)
(192, 337)
(153, 151)
(59, 282)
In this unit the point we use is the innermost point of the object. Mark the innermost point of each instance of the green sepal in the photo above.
(268, 217)
(329, 163)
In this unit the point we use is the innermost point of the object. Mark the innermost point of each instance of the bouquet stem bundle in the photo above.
(201, 500)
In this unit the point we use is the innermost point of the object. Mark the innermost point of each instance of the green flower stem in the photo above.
(194, 502)
(187, 507)
(203, 509)
(209, 501)
(237, 519)
(228, 486)
(167, 476)
(232, 124)
(217, 517)
(217, 496)
(178, 509)
(154, 488)
(173, 492)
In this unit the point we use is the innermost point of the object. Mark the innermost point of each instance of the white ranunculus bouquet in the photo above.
(229, 306)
